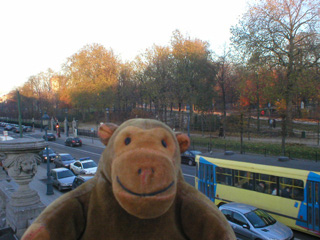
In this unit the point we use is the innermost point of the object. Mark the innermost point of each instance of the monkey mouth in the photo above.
(144, 194)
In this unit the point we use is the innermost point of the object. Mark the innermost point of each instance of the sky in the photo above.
(37, 35)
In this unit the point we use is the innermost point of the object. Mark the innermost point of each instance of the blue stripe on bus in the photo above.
(304, 205)
(205, 183)
(313, 177)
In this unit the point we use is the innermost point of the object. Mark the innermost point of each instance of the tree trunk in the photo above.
(241, 133)
(283, 135)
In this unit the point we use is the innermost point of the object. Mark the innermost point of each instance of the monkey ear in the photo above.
(105, 132)
(184, 141)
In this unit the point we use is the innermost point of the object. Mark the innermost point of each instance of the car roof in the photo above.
(194, 151)
(60, 169)
(64, 154)
(85, 161)
(239, 207)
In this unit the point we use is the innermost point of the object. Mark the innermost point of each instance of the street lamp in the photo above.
(32, 124)
(107, 110)
(41, 122)
(188, 109)
(45, 122)
(67, 125)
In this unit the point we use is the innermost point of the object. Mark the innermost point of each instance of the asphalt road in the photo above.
(95, 152)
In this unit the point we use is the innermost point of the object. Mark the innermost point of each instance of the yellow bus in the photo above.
(288, 190)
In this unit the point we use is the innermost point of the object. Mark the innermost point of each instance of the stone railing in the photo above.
(19, 158)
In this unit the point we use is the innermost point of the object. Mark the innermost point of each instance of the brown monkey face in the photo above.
(144, 171)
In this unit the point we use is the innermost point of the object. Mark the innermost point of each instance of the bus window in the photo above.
(228, 173)
(201, 171)
(260, 186)
(291, 188)
(220, 177)
(266, 183)
(243, 179)
(298, 190)
(209, 173)
(224, 176)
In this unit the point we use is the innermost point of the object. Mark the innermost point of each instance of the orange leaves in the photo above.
(281, 106)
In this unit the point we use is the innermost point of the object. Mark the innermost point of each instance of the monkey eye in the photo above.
(127, 141)
(164, 144)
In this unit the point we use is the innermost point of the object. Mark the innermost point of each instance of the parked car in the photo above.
(50, 136)
(63, 160)
(73, 142)
(249, 222)
(43, 155)
(84, 167)
(80, 179)
(62, 178)
(27, 129)
(16, 129)
(188, 157)
(8, 127)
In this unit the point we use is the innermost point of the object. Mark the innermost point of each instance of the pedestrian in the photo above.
(221, 132)
(274, 123)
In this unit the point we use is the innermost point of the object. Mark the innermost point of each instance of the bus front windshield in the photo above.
(259, 218)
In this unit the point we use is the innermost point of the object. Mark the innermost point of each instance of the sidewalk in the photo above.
(39, 183)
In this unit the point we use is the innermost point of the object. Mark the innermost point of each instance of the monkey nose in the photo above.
(145, 174)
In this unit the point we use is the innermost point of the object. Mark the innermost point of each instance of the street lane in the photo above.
(94, 153)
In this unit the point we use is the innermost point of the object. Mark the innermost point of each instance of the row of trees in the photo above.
(274, 59)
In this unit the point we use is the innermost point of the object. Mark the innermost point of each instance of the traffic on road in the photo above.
(61, 155)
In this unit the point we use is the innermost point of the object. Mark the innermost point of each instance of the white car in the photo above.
(84, 167)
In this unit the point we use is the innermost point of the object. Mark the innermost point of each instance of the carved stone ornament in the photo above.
(19, 157)
(22, 168)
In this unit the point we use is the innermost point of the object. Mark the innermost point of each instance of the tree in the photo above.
(126, 90)
(192, 66)
(39, 90)
(226, 84)
(92, 77)
(158, 78)
(286, 34)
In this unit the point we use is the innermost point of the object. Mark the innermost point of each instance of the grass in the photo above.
(293, 150)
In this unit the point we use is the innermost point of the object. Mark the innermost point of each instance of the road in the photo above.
(94, 152)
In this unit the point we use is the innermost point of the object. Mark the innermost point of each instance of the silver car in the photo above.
(62, 178)
(249, 222)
